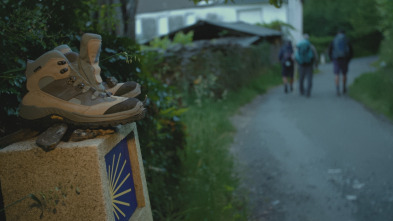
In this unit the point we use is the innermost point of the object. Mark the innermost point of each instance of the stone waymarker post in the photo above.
(95, 179)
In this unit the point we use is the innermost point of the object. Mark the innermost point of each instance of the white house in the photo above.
(159, 17)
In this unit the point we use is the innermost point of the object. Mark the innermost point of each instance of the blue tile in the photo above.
(122, 190)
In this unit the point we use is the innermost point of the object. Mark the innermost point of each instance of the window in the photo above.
(163, 26)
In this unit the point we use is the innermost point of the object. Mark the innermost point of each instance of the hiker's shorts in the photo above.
(340, 66)
(287, 71)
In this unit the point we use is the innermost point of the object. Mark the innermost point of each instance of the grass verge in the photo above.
(375, 90)
(209, 181)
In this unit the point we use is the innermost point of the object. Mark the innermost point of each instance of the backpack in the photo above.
(304, 53)
(287, 57)
(340, 46)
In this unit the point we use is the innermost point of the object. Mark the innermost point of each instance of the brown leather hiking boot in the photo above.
(56, 91)
(87, 62)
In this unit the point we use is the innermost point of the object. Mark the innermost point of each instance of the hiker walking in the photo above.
(306, 56)
(287, 65)
(340, 52)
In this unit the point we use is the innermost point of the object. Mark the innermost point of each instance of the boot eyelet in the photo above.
(64, 70)
(81, 85)
(61, 62)
(71, 80)
(37, 69)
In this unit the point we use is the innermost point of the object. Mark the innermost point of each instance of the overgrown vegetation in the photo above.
(375, 90)
(385, 8)
(208, 165)
(213, 80)
(359, 19)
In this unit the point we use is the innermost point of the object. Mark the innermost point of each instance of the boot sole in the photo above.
(52, 115)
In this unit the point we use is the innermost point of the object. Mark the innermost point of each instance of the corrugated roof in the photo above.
(247, 28)
(242, 41)
(204, 30)
(247, 1)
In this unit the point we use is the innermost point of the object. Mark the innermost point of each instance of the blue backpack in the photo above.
(304, 53)
(340, 47)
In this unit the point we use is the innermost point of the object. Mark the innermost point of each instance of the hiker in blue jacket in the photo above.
(306, 57)
(340, 52)
(287, 65)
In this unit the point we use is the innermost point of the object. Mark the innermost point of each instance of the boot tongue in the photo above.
(89, 59)
(93, 56)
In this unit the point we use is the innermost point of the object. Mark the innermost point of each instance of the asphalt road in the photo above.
(323, 158)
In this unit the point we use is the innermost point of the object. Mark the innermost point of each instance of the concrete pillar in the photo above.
(295, 18)
(95, 179)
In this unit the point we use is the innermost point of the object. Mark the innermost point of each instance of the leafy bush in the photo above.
(207, 70)
(210, 184)
(204, 74)
(27, 30)
(385, 8)
(161, 133)
(375, 90)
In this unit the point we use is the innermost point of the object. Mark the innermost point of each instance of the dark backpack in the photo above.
(340, 47)
(304, 53)
(287, 57)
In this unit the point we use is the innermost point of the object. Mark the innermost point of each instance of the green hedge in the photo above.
(375, 90)
(210, 71)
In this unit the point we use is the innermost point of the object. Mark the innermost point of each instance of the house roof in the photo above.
(242, 41)
(206, 30)
(247, 1)
(245, 28)
(164, 5)
(209, 30)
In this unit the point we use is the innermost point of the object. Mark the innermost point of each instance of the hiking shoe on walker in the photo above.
(87, 62)
(58, 93)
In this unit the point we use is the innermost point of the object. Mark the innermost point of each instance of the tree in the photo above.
(128, 9)
(117, 17)
(358, 18)
(385, 8)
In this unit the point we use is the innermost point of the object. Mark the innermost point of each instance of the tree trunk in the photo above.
(128, 10)
(125, 14)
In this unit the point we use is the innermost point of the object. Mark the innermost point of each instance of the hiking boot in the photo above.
(87, 62)
(58, 93)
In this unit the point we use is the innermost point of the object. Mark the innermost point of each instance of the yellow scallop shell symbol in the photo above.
(114, 176)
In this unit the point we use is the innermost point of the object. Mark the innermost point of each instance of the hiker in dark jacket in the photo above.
(287, 65)
(340, 52)
(306, 57)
